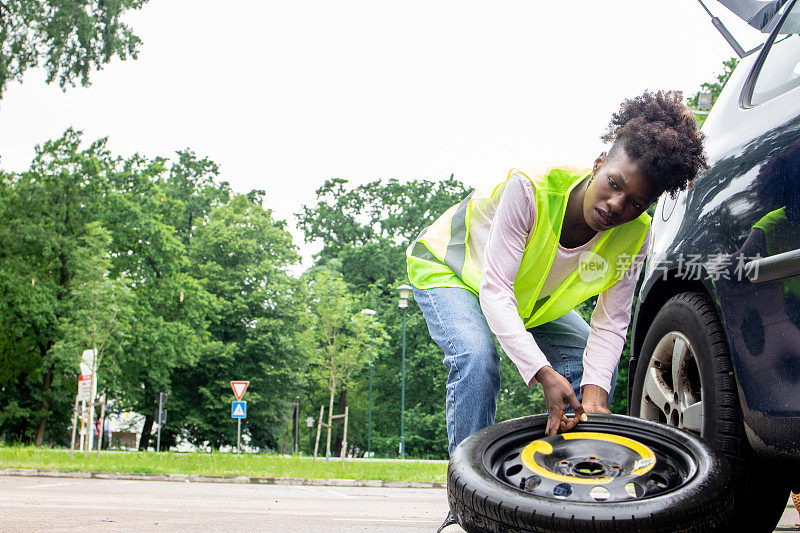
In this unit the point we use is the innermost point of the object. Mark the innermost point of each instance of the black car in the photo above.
(715, 343)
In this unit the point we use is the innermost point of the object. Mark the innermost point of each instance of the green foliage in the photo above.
(516, 399)
(68, 37)
(337, 336)
(180, 285)
(367, 227)
(241, 255)
(99, 309)
(338, 339)
(146, 216)
(53, 264)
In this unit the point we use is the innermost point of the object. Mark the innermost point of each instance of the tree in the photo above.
(71, 37)
(171, 306)
(50, 253)
(242, 257)
(367, 227)
(191, 191)
(100, 307)
(337, 338)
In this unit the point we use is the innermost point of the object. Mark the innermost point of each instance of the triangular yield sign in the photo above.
(239, 387)
(238, 411)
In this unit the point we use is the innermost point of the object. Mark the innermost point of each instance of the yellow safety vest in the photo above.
(447, 253)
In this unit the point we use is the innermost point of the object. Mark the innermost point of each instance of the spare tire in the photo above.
(612, 473)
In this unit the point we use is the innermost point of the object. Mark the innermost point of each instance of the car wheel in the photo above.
(612, 473)
(684, 378)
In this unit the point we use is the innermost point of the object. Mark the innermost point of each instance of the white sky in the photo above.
(283, 95)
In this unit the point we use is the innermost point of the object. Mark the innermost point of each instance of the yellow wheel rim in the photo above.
(536, 457)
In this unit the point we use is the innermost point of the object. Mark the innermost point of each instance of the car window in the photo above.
(781, 69)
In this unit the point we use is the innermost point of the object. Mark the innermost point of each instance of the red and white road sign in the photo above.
(84, 387)
(239, 387)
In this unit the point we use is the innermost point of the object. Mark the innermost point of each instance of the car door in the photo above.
(751, 227)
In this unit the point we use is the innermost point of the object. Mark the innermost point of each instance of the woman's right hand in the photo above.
(558, 394)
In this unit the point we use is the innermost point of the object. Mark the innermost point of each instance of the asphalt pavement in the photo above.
(69, 504)
(46, 504)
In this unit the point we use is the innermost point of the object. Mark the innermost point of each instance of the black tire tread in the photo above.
(498, 519)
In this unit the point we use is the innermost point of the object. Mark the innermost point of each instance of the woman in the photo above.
(515, 261)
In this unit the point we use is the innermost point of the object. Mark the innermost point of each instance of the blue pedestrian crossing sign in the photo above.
(238, 409)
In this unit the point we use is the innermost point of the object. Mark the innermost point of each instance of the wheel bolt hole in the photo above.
(634, 490)
(530, 483)
(600, 494)
(562, 490)
(513, 470)
(659, 481)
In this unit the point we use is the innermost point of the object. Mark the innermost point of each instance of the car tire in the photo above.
(699, 369)
(482, 500)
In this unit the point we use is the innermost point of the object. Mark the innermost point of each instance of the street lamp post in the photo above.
(369, 312)
(405, 292)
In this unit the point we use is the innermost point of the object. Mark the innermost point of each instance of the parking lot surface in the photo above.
(47, 504)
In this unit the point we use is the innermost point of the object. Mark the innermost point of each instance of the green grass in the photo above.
(220, 464)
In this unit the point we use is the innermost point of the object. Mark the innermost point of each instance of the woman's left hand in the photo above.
(595, 399)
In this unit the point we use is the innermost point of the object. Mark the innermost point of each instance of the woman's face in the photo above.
(619, 192)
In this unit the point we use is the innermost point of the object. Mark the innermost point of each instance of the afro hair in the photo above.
(659, 132)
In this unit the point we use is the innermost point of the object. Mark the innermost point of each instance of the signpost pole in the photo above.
(161, 416)
(83, 427)
(101, 425)
(92, 397)
(74, 427)
(344, 438)
(296, 424)
(239, 436)
(160, 407)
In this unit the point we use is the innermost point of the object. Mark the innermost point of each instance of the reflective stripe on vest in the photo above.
(456, 253)
(442, 256)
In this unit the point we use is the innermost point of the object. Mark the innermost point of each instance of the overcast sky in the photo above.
(283, 95)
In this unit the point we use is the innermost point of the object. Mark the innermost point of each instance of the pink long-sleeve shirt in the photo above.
(511, 230)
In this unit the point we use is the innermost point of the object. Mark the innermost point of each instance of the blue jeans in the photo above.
(456, 323)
